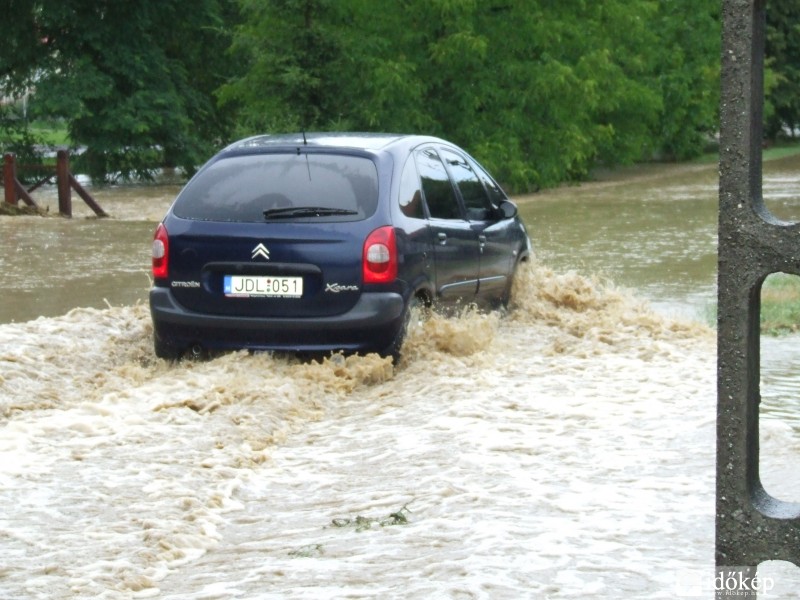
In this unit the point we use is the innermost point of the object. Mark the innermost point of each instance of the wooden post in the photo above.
(63, 183)
(87, 197)
(23, 193)
(10, 179)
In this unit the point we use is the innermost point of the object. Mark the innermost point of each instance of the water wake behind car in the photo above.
(564, 449)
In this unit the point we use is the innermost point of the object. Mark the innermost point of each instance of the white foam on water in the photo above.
(564, 450)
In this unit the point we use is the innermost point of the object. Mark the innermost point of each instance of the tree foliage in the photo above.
(687, 72)
(782, 110)
(541, 91)
(133, 80)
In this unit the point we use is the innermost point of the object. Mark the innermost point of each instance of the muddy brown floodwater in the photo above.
(564, 450)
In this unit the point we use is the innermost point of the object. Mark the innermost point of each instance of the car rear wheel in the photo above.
(415, 309)
(165, 350)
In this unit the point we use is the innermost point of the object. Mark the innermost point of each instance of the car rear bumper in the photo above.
(370, 325)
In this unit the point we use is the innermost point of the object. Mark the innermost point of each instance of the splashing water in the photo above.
(558, 448)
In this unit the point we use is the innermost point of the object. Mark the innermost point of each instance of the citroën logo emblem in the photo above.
(260, 250)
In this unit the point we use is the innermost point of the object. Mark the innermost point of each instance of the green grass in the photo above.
(780, 293)
(780, 304)
(50, 133)
(780, 150)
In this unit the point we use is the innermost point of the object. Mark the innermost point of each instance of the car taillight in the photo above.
(380, 256)
(161, 253)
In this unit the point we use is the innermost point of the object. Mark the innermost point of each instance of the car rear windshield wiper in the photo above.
(305, 211)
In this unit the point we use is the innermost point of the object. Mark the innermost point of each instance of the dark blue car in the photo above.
(322, 242)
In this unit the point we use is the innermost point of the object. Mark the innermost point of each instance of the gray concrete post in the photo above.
(751, 526)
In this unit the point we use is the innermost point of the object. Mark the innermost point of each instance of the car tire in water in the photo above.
(166, 351)
(416, 305)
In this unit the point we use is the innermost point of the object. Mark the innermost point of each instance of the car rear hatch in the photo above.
(286, 270)
(272, 235)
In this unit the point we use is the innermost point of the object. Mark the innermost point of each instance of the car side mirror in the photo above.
(507, 210)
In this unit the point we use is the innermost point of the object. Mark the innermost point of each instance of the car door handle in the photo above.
(442, 238)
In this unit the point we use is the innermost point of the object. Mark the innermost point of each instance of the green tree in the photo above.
(538, 90)
(133, 80)
(687, 72)
(541, 91)
(782, 110)
(568, 91)
(292, 48)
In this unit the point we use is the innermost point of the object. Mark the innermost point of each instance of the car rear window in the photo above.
(241, 188)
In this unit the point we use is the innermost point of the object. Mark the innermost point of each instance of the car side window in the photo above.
(410, 195)
(496, 195)
(436, 187)
(472, 192)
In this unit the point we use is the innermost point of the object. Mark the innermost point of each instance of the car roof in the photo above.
(362, 141)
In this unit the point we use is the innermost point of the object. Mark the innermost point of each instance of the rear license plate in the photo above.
(249, 286)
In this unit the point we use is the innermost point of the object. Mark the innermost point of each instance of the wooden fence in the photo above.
(65, 183)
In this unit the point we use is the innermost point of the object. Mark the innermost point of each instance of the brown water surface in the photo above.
(559, 450)
(52, 265)
(651, 230)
